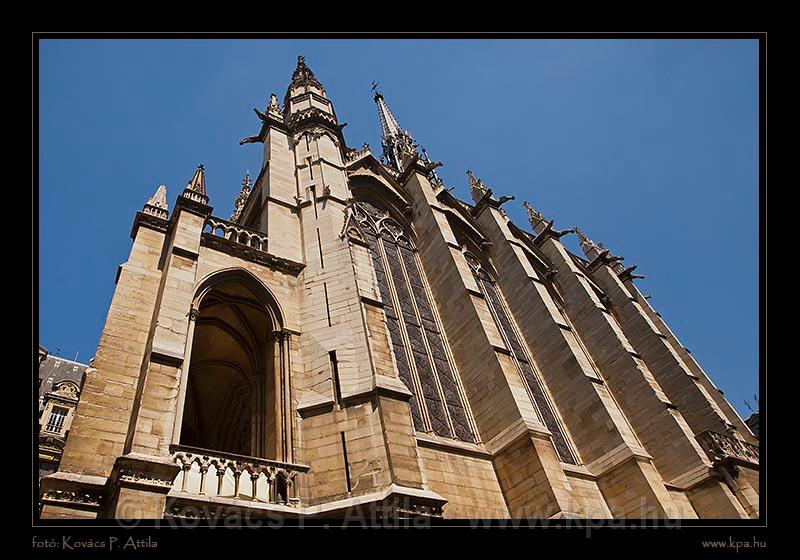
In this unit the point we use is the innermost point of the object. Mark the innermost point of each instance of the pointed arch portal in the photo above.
(233, 390)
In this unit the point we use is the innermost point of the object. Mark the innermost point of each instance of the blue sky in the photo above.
(650, 146)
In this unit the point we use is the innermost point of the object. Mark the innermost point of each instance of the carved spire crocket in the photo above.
(476, 187)
(535, 217)
(241, 200)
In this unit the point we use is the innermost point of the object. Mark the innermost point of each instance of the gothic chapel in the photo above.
(354, 337)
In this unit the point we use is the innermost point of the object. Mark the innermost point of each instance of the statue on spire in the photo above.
(241, 200)
(273, 106)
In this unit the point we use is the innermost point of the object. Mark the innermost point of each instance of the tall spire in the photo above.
(389, 125)
(398, 144)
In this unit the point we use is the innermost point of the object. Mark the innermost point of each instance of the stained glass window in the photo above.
(419, 346)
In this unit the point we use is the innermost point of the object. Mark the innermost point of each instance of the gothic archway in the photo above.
(233, 388)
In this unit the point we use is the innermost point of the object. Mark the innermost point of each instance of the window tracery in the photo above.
(419, 346)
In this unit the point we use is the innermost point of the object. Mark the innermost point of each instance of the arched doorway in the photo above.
(233, 391)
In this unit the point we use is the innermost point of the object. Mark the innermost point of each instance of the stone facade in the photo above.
(354, 337)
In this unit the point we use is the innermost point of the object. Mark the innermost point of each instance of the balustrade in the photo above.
(720, 446)
(236, 233)
(228, 475)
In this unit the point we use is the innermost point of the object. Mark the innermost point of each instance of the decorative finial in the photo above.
(241, 200)
(476, 187)
(157, 204)
(534, 217)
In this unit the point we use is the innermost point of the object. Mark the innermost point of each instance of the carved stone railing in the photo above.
(238, 477)
(236, 233)
(720, 447)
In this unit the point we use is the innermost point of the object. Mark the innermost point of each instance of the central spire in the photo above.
(398, 144)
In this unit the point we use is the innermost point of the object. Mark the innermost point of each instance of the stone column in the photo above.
(183, 385)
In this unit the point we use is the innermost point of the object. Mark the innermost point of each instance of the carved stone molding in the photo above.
(83, 497)
(155, 474)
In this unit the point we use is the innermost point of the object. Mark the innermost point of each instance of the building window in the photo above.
(56, 421)
(419, 346)
(524, 364)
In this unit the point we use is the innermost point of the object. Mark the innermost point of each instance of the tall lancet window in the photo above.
(419, 346)
(523, 362)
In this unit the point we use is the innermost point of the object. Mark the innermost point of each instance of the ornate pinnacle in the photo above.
(241, 200)
(303, 76)
(198, 181)
(159, 199)
(157, 204)
(476, 187)
(587, 244)
(534, 217)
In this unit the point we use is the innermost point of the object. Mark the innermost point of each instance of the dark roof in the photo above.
(55, 369)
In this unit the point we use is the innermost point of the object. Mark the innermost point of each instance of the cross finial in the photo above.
(376, 90)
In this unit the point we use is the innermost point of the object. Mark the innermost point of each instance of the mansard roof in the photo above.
(54, 370)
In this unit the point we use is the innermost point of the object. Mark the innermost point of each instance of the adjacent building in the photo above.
(60, 383)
